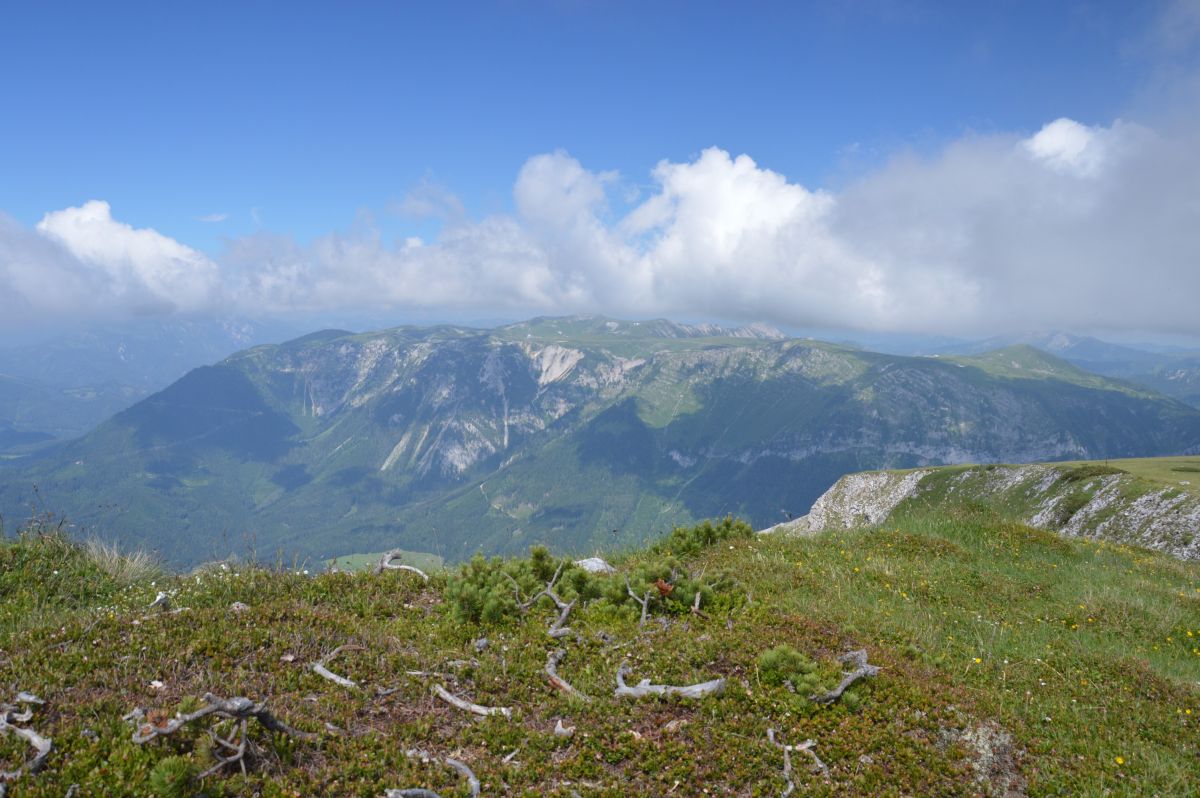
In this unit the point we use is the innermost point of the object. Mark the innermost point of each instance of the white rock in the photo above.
(595, 565)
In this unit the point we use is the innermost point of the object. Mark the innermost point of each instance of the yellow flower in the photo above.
(978, 660)
(1120, 760)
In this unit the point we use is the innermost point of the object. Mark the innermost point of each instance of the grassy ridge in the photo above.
(1086, 655)
(1176, 472)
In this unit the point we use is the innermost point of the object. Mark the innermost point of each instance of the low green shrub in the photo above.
(689, 540)
(172, 777)
(492, 591)
(784, 664)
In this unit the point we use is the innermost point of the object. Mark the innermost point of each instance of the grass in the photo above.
(1087, 654)
(1169, 471)
(125, 568)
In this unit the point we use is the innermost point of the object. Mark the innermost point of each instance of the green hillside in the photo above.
(1011, 662)
(579, 433)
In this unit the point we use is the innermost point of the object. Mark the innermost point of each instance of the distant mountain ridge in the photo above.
(578, 432)
(1171, 371)
(65, 386)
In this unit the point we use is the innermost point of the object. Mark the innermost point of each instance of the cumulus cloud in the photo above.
(1073, 225)
(144, 269)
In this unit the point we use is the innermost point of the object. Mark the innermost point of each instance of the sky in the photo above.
(868, 165)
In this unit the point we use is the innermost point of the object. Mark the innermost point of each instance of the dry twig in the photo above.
(645, 602)
(557, 628)
(467, 706)
(645, 688)
(320, 669)
(11, 715)
(420, 792)
(806, 747)
(861, 669)
(231, 708)
(387, 563)
(557, 681)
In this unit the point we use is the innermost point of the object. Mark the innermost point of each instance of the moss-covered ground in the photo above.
(1086, 655)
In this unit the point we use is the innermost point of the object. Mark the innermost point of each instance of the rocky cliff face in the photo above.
(1091, 501)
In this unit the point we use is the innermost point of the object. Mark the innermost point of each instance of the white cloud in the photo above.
(1072, 226)
(212, 218)
(140, 270)
(1066, 145)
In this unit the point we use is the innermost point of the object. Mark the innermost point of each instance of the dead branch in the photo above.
(386, 563)
(645, 688)
(420, 792)
(861, 670)
(237, 752)
(232, 708)
(787, 764)
(557, 681)
(9, 716)
(466, 773)
(645, 602)
(805, 747)
(557, 629)
(467, 706)
(320, 669)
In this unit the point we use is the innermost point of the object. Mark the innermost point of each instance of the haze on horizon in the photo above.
(883, 167)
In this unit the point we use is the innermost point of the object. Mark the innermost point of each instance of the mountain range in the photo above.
(578, 432)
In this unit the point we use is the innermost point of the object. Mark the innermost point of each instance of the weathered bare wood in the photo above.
(420, 792)
(9, 717)
(237, 751)
(387, 563)
(804, 747)
(645, 688)
(645, 602)
(236, 708)
(319, 668)
(558, 629)
(557, 681)
(466, 773)
(862, 669)
(467, 706)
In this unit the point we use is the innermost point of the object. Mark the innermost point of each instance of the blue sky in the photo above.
(299, 120)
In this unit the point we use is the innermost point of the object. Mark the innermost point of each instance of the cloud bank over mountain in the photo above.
(1079, 226)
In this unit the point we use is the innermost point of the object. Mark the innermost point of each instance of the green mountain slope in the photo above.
(578, 432)
(1012, 662)
(1150, 502)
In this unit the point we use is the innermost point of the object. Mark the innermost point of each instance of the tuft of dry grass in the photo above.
(126, 568)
